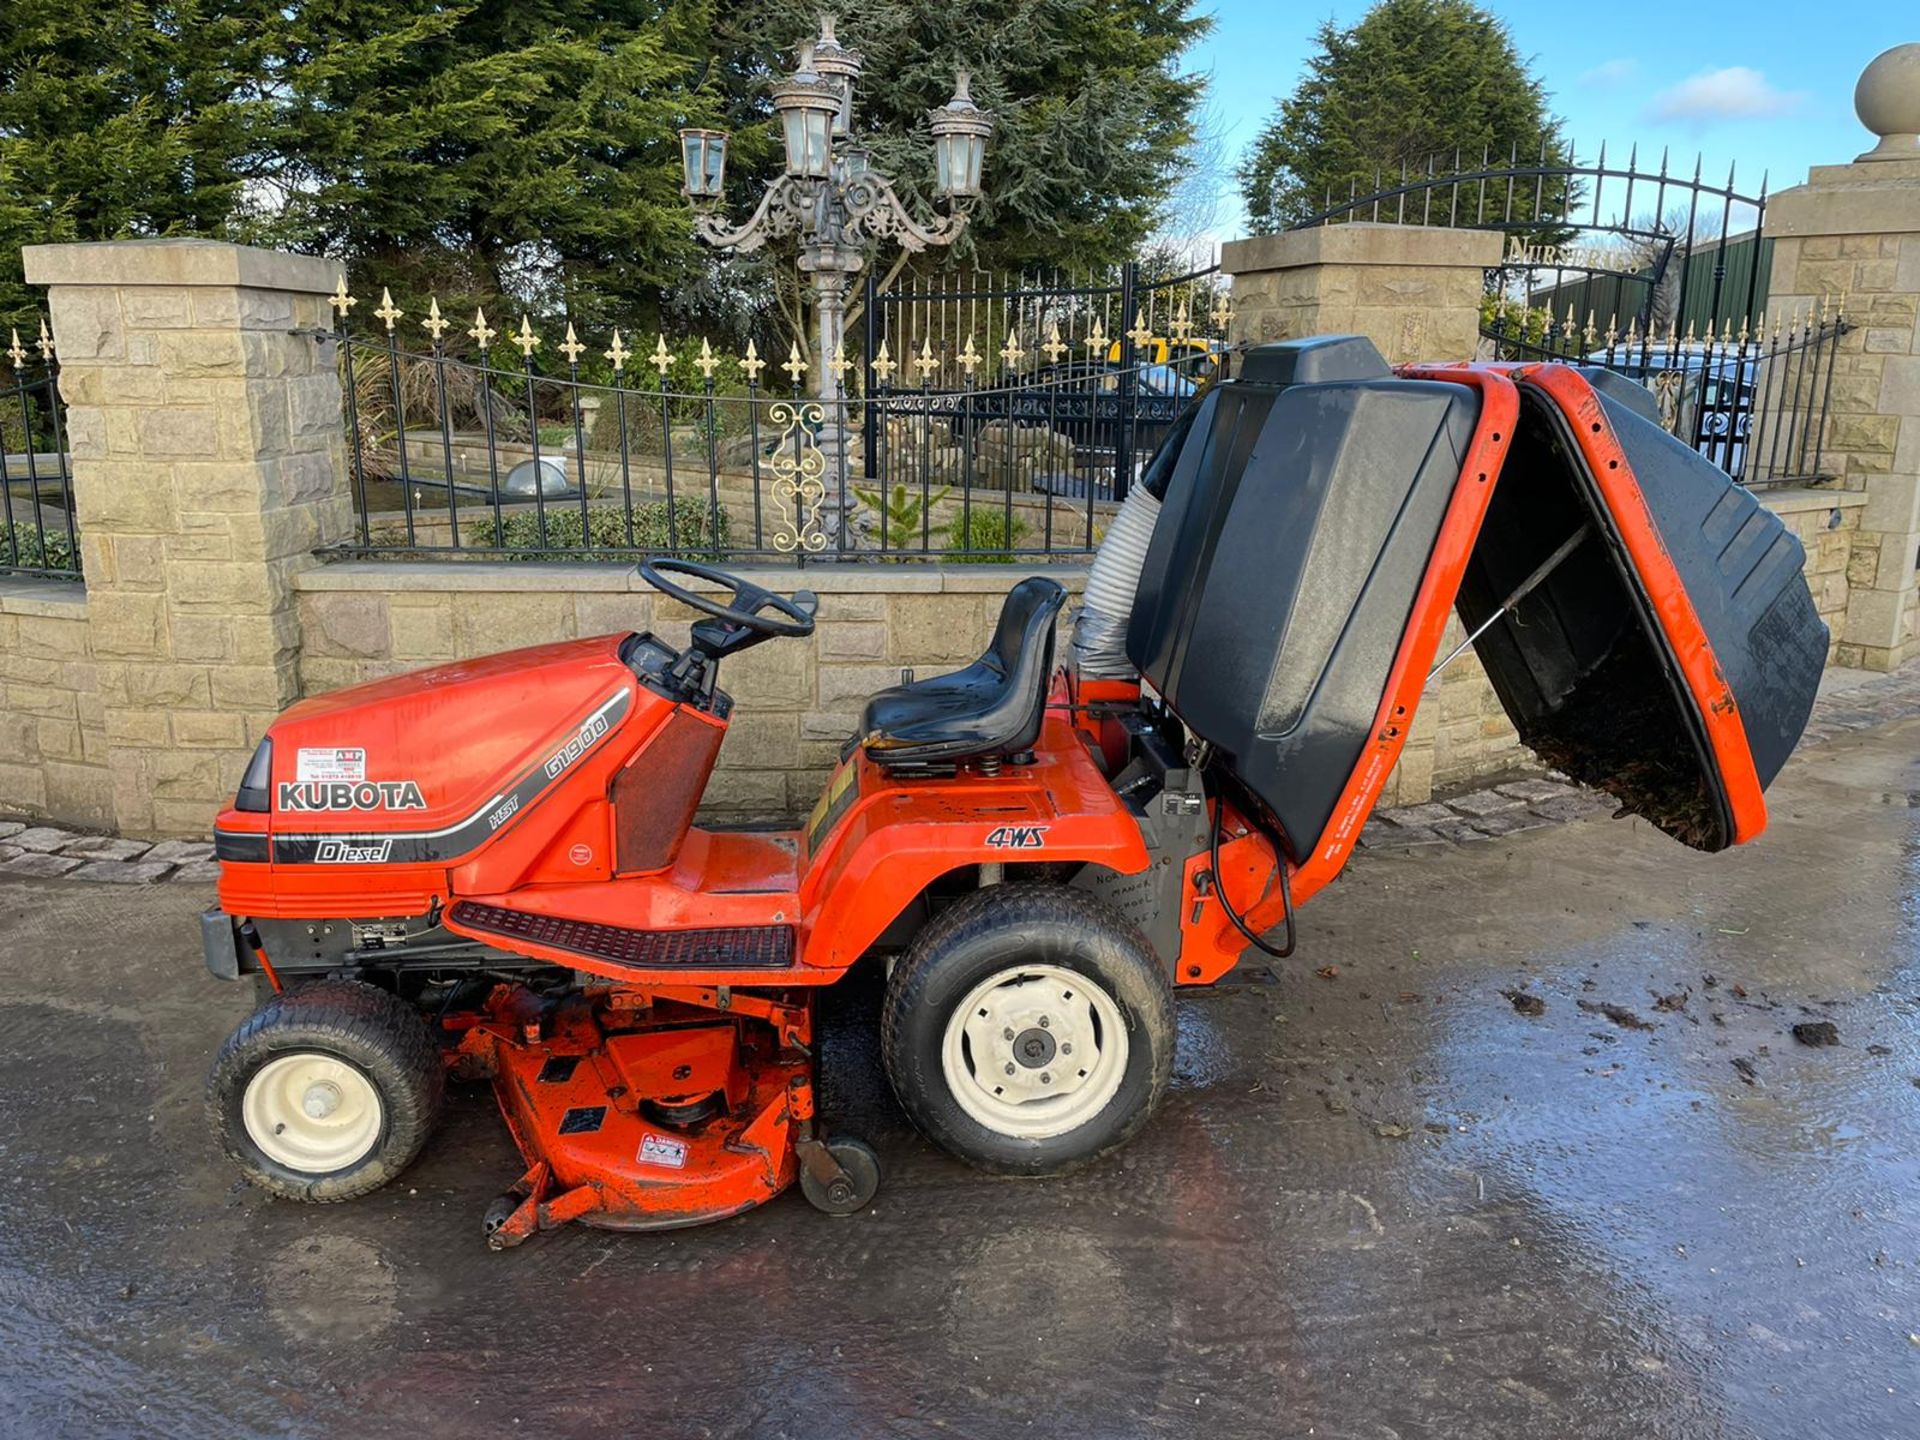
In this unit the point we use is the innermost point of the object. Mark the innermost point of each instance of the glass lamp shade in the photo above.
(807, 106)
(703, 160)
(960, 131)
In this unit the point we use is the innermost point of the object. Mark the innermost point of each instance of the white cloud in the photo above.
(1609, 76)
(1735, 93)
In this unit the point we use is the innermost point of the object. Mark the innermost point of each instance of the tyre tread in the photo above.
(1000, 907)
(358, 1019)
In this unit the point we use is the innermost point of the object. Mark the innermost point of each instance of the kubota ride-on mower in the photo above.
(488, 868)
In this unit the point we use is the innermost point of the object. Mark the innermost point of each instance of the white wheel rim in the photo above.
(312, 1113)
(1034, 1051)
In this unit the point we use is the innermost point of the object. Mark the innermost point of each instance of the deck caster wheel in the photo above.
(326, 1092)
(498, 1213)
(853, 1192)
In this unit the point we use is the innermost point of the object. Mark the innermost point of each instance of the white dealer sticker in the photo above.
(659, 1150)
(331, 764)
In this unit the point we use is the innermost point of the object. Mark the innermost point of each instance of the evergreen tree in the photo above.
(120, 118)
(490, 146)
(1414, 82)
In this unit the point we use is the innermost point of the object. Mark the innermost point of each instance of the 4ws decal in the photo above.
(1018, 837)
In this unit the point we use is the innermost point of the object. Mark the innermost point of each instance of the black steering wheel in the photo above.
(742, 622)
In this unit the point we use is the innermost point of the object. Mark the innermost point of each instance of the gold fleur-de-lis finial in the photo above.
(1055, 346)
(1182, 323)
(1591, 334)
(571, 347)
(1142, 333)
(17, 352)
(839, 364)
(618, 354)
(707, 362)
(883, 364)
(753, 364)
(388, 311)
(924, 361)
(481, 332)
(969, 357)
(434, 325)
(45, 343)
(662, 357)
(1011, 353)
(794, 365)
(1613, 328)
(1096, 340)
(526, 339)
(340, 300)
(1222, 314)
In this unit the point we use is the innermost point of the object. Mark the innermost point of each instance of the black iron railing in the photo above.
(1012, 439)
(1752, 399)
(38, 535)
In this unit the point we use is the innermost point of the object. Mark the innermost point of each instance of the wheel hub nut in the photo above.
(321, 1100)
(1034, 1047)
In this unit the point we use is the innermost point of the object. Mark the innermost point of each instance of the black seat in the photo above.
(993, 707)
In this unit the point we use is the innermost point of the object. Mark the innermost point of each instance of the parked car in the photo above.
(1706, 396)
(1084, 400)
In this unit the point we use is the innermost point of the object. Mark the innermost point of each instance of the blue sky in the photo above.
(1765, 84)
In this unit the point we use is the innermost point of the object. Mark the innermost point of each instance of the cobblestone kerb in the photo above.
(1507, 808)
(45, 852)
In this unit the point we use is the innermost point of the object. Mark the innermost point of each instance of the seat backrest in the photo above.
(1034, 602)
(1023, 649)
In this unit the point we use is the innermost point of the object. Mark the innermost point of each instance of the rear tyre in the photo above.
(326, 1092)
(1028, 1030)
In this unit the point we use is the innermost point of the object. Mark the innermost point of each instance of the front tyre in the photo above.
(326, 1092)
(1028, 1029)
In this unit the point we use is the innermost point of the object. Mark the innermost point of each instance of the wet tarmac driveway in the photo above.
(1382, 1200)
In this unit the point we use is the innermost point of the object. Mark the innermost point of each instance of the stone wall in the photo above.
(1850, 237)
(53, 744)
(1414, 291)
(204, 425)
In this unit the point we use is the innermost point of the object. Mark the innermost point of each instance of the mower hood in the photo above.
(1323, 512)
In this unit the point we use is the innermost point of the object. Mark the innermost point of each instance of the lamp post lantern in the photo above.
(830, 196)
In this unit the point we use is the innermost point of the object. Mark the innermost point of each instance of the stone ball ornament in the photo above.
(1887, 100)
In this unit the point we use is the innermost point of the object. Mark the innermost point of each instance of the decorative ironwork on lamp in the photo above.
(831, 198)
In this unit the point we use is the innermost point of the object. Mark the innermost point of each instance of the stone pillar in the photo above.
(204, 420)
(1413, 290)
(1853, 231)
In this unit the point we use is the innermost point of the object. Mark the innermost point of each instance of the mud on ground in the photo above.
(1541, 1157)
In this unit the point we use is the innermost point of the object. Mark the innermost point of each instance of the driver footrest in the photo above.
(762, 947)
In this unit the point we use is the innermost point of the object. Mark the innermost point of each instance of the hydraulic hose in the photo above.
(1220, 888)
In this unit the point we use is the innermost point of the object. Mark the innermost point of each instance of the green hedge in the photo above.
(23, 545)
(701, 532)
(985, 531)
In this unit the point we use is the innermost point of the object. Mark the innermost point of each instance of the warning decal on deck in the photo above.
(659, 1150)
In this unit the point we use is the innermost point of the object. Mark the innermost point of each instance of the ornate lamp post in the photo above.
(830, 196)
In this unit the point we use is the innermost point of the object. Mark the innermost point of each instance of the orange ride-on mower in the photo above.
(488, 868)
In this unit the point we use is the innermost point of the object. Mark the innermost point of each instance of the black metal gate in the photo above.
(1010, 417)
(1657, 274)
